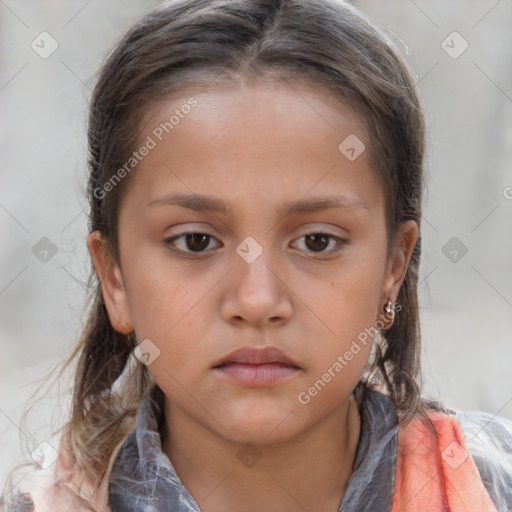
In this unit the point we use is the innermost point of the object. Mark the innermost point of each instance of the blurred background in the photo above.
(49, 53)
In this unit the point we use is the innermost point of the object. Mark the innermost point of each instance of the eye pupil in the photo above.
(318, 237)
(197, 242)
(197, 237)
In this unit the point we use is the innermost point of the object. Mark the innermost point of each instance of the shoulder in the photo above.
(38, 492)
(41, 491)
(489, 440)
(59, 487)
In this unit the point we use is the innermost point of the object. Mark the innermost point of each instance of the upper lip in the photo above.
(257, 355)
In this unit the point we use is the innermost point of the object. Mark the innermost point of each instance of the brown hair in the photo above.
(187, 43)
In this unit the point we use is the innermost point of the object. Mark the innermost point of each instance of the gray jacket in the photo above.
(142, 478)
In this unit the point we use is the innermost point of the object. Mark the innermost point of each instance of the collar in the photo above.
(143, 477)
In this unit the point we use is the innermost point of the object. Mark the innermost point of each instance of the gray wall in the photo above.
(466, 303)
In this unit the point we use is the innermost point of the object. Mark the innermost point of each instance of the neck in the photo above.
(309, 472)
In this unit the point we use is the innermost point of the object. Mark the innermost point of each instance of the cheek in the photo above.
(338, 361)
(171, 313)
(339, 352)
(154, 302)
(345, 303)
(343, 323)
(155, 290)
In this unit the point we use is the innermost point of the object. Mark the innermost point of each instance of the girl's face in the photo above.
(258, 276)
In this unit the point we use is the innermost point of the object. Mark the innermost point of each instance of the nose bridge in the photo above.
(256, 259)
(257, 292)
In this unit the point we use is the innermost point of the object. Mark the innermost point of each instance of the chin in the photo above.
(248, 434)
(260, 428)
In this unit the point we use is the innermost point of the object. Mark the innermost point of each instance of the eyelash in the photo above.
(340, 242)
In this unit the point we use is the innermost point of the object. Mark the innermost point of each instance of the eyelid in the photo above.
(339, 246)
(340, 242)
(168, 242)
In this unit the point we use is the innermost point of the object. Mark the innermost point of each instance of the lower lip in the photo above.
(257, 375)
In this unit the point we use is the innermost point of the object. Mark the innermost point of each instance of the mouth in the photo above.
(257, 356)
(257, 367)
(256, 375)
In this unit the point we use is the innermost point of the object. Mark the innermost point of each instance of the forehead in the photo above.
(254, 141)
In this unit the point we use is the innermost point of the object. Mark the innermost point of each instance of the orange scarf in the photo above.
(425, 470)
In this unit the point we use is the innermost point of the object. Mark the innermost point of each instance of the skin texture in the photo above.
(255, 147)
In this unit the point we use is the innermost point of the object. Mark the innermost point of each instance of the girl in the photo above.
(256, 174)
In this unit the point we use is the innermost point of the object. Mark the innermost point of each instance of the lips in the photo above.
(257, 356)
(256, 367)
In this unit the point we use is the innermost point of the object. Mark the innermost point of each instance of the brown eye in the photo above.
(319, 242)
(191, 242)
(197, 241)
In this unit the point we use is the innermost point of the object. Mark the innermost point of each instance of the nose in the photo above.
(257, 290)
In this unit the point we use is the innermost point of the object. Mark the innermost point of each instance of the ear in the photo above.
(112, 287)
(405, 240)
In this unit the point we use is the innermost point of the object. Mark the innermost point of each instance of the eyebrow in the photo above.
(201, 203)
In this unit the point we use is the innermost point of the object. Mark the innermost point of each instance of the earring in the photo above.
(388, 307)
(389, 312)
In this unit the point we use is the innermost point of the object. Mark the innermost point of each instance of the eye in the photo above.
(318, 242)
(195, 241)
